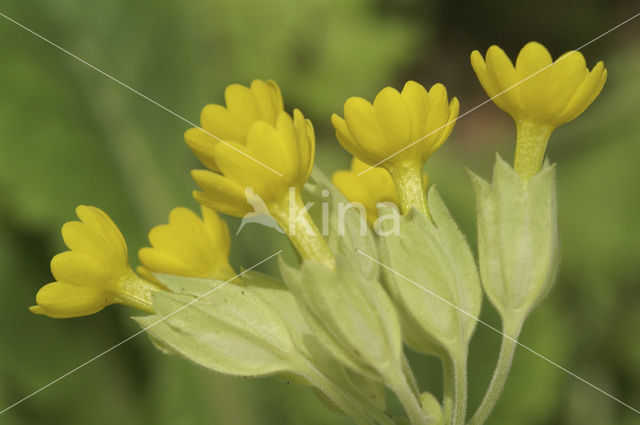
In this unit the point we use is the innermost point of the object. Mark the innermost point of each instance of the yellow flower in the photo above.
(538, 93)
(245, 105)
(286, 147)
(368, 189)
(399, 132)
(188, 246)
(94, 273)
(260, 168)
(557, 93)
(398, 126)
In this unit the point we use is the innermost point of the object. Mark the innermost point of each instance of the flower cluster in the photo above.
(339, 320)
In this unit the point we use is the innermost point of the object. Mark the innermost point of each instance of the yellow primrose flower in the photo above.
(94, 273)
(286, 147)
(399, 132)
(398, 126)
(188, 246)
(245, 105)
(538, 93)
(368, 189)
(262, 165)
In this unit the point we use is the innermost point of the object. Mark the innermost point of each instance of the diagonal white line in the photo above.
(498, 331)
(499, 94)
(114, 79)
(91, 360)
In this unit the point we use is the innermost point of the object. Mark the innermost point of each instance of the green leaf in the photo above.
(432, 276)
(517, 238)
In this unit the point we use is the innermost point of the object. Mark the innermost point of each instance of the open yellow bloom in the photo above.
(398, 126)
(245, 105)
(538, 93)
(262, 163)
(249, 167)
(399, 132)
(368, 189)
(188, 246)
(94, 273)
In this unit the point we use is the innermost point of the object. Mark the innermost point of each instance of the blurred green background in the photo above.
(69, 135)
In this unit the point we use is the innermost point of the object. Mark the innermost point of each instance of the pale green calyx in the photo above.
(431, 273)
(255, 330)
(234, 332)
(354, 317)
(517, 238)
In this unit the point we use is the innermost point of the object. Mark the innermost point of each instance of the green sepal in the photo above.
(354, 389)
(352, 317)
(431, 408)
(517, 238)
(345, 228)
(432, 276)
(310, 363)
(231, 330)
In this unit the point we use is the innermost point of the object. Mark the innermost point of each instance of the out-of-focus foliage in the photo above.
(69, 135)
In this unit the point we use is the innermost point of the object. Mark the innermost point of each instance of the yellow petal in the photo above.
(80, 268)
(437, 121)
(202, 146)
(565, 76)
(504, 78)
(290, 150)
(392, 115)
(223, 124)
(532, 65)
(585, 93)
(96, 235)
(343, 134)
(368, 189)
(306, 143)
(480, 68)
(146, 274)
(217, 230)
(268, 99)
(220, 193)
(63, 300)
(165, 262)
(352, 188)
(241, 103)
(100, 221)
(454, 108)
(193, 246)
(416, 98)
(183, 237)
(369, 142)
(244, 165)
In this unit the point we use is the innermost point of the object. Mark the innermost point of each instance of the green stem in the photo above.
(408, 373)
(505, 359)
(448, 389)
(409, 181)
(532, 139)
(291, 215)
(460, 390)
(407, 397)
